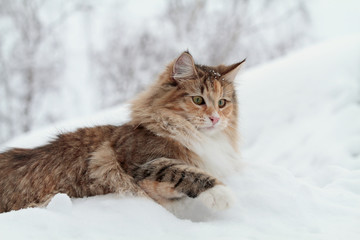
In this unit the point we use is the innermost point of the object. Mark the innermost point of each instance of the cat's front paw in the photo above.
(219, 197)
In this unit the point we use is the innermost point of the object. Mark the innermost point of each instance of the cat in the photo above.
(180, 142)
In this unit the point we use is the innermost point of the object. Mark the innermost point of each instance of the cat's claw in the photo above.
(219, 197)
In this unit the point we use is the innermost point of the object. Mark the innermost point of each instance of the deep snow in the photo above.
(300, 127)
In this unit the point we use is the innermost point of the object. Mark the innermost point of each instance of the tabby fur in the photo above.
(170, 150)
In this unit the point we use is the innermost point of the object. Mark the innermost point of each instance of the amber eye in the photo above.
(222, 103)
(198, 100)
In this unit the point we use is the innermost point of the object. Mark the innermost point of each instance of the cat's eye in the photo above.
(222, 103)
(198, 100)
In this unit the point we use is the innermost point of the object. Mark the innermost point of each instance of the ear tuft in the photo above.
(232, 71)
(184, 67)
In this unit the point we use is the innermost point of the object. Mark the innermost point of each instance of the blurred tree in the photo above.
(127, 63)
(31, 60)
(226, 31)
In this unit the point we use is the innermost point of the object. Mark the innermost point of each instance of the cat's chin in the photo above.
(210, 130)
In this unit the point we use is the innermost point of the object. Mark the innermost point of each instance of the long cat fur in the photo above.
(168, 151)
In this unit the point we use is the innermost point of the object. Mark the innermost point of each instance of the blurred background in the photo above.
(66, 59)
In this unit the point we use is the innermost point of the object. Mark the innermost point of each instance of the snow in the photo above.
(300, 176)
(332, 18)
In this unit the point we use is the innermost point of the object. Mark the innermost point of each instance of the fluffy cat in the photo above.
(181, 140)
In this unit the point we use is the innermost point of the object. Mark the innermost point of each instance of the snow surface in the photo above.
(300, 127)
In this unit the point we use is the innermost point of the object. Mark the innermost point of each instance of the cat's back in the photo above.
(65, 146)
(131, 144)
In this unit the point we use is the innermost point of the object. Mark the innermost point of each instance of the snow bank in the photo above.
(300, 124)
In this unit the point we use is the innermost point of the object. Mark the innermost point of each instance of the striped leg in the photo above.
(166, 180)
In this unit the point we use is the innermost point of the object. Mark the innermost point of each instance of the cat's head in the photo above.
(206, 95)
(202, 95)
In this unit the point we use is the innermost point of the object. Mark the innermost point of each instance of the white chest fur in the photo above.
(218, 156)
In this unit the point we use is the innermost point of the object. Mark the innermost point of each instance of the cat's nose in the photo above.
(214, 119)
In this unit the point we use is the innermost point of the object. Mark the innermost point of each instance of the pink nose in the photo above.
(214, 119)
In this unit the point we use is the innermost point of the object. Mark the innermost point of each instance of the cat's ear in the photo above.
(184, 67)
(232, 70)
